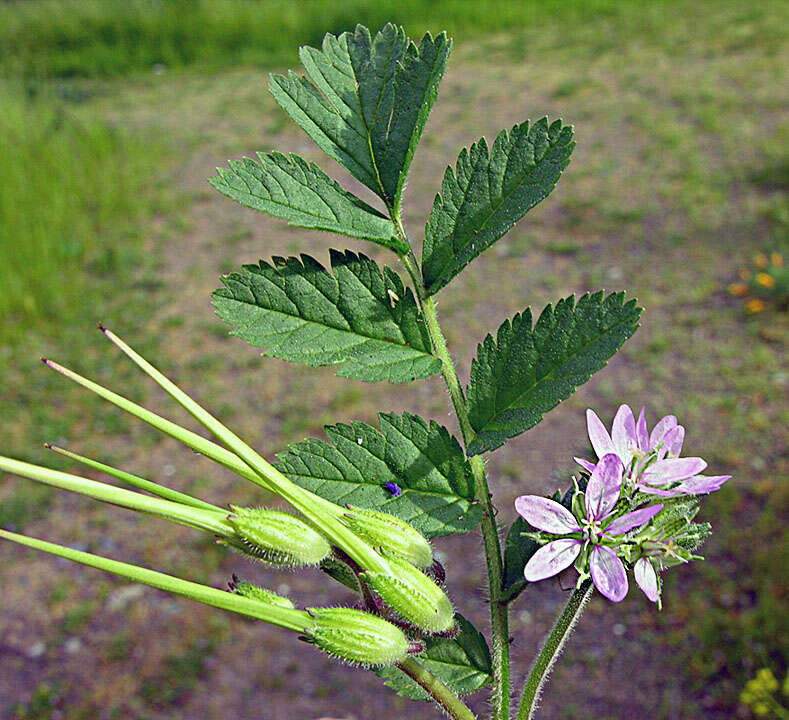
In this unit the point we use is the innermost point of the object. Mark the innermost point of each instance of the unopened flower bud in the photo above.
(414, 596)
(390, 534)
(356, 636)
(258, 593)
(276, 537)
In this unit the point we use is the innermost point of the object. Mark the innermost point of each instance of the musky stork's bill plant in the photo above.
(363, 503)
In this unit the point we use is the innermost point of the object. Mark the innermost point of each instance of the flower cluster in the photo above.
(610, 518)
(767, 283)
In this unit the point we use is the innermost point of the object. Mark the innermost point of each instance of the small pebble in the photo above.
(72, 646)
(119, 598)
(36, 650)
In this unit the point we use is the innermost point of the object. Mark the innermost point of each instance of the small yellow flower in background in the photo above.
(777, 259)
(761, 261)
(765, 280)
(745, 274)
(758, 695)
(754, 306)
(739, 289)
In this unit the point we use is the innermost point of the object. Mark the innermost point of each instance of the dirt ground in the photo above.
(670, 226)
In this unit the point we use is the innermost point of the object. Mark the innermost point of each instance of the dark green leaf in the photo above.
(462, 664)
(368, 101)
(526, 371)
(358, 318)
(421, 458)
(487, 194)
(517, 552)
(301, 193)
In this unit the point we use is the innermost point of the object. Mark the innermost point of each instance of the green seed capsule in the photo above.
(413, 595)
(258, 593)
(276, 537)
(391, 535)
(357, 636)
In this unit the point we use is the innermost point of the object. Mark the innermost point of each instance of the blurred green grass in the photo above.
(93, 38)
(71, 195)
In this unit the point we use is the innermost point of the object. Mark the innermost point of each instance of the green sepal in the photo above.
(277, 537)
(341, 572)
(413, 596)
(394, 537)
(261, 594)
(357, 637)
(462, 663)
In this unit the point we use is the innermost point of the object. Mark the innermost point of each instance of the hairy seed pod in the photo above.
(258, 593)
(393, 536)
(414, 596)
(357, 637)
(276, 537)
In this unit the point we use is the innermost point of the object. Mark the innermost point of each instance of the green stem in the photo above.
(552, 649)
(295, 620)
(450, 703)
(499, 615)
(212, 521)
(137, 482)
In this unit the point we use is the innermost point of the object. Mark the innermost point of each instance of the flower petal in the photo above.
(642, 434)
(602, 492)
(585, 464)
(661, 428)
(702, 484)
(623, 433)
(608, 573)
(672, 441)
(598, 435)
(551, 559)
(649, 490)
(634, 519)
(546, 514)
(672, 470)
(647, 580)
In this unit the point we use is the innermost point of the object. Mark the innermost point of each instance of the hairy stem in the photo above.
(499, 615)
(552, 649)
(450, 703)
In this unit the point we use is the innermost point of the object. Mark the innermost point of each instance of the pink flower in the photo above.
(596, 528)
(651, 460)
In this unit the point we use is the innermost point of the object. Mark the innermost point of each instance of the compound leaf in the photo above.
(366, 101)
(366, 467)
(526, 371)
(486, 194)
(292, 189)
(462, 664)
(359, 318)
